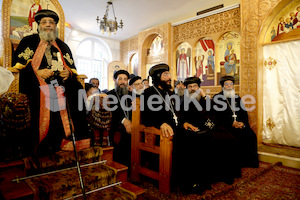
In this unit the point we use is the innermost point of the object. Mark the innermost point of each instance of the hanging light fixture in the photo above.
(109, 25)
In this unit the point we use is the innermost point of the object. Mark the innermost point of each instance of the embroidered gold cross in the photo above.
(270, 124)
(209, 124)
(68, 58)
(26, 54)
(270, 63)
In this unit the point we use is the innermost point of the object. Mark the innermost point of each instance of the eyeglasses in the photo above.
(192, 86)
(166, 74)
(228, 84)
(47, 21)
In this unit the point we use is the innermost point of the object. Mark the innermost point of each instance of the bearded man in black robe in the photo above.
(48, 78)
(161, 115)
(121, 125)
(231, 113)
(208, 149)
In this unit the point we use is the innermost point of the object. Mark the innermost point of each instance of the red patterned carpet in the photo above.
(268, 182)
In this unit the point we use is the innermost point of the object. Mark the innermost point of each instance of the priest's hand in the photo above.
(187, 126)
(128, 125)
(166, 130)
(237, 124)
(240, 125)
(64, 74)
(45, 73)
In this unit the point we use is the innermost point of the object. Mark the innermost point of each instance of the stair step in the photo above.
(133, 188)
(121, 169)
(116, 192)
(108, 154)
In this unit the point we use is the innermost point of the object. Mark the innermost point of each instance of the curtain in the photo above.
(208, 44)
(281, 93)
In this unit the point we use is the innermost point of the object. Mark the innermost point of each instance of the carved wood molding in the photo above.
(253, 15)
(127, 49)
(225, 21)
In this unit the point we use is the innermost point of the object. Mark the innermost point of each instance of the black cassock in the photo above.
(118, 136)
(246, 137)
(29, 85)
(157, 117)
(206, 156)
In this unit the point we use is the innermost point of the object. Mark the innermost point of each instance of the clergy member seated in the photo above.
(137, 85)
(179, 88)
(159, 110)
(203, 152)
(234, 118)
(48, 78)
(121, 118)
(146, 83)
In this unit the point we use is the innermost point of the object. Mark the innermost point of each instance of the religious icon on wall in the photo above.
(286, 24)
(134, 63)
(230, 60)
(22, 21)
(34, 9)
(229, 55)
(183, 61)
(157, 46)
(112, 68)
(205, 61)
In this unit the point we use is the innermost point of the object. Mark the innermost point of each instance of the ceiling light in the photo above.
(109, 25)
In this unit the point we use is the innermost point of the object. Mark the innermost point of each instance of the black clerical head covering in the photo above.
(226, 78)
(131, 76)
(158, 69)
(134, 79)
(191, 80)
(121, 71)
(46, 13)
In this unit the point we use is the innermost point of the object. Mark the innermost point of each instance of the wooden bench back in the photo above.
(149, 139)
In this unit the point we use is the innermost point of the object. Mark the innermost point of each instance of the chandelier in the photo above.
(109, 25)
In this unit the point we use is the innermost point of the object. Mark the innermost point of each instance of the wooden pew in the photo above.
(145, 139)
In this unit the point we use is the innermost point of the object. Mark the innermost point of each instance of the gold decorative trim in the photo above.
(74, 71)
(225, 21)
(68, 58)
(26, 54)
(19, 66)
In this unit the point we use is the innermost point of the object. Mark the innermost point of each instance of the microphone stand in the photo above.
(75, 151)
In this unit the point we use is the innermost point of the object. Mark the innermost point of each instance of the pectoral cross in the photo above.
(57, 65)
(175, 119)
(234, 116)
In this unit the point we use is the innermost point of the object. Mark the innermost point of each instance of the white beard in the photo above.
(229, 93)
(47, 36)
(139, 92)
(195, 96)
(179, 92)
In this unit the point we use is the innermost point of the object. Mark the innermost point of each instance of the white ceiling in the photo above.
(137, 15)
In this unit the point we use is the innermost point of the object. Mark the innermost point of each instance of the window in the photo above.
(92, 61)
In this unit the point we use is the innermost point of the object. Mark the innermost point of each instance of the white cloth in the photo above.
(6, 78)
(281, 93)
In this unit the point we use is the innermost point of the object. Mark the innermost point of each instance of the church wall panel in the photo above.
(248, 21)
